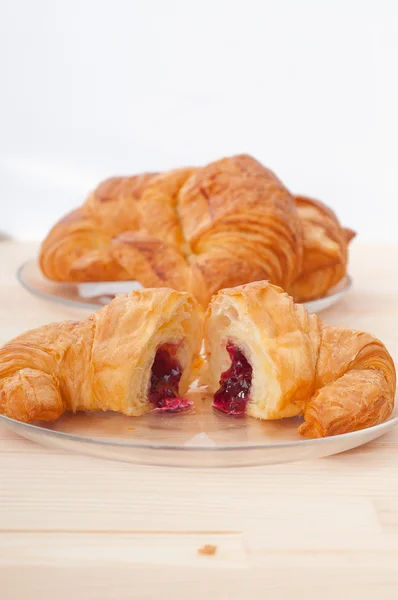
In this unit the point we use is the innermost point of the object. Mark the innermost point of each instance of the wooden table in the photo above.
(79, 527)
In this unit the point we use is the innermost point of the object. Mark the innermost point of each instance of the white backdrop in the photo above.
(93, 88)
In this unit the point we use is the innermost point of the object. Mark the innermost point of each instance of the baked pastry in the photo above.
(266, 357)
(133, 355)
(270, 359)
(325, 250)
(199, 230)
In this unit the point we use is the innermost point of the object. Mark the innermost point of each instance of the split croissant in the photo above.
(200, 230)
(266, 356)
(105, 362)
(292, 364)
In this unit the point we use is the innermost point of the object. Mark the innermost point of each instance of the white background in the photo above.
(94, 88)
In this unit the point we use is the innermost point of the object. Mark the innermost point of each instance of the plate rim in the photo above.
(389, 424)
(52, 297)
(348, 282)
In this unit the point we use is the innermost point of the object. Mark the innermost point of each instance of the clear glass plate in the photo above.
(200, 437)
(95, 295)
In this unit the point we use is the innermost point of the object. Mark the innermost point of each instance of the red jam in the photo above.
(165, 377)
(235, 384)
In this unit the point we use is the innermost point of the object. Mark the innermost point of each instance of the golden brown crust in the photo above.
(358, 399)
(102, 363)
(241, 223)
(355, 383)
(340, 379)
(78, 247)
(199, 230)
(325, 250)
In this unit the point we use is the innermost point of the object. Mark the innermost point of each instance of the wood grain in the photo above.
(76, 527)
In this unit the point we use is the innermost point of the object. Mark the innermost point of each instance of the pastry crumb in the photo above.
(131, 428)
(207, 550)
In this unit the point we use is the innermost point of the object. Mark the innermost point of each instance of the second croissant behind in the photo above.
(200, 230)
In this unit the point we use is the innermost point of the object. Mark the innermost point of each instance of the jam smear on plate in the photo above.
(235, 384)
(165, 378)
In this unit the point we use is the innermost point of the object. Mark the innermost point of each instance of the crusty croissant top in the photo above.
(200, 230)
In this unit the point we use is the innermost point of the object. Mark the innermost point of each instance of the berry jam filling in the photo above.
(235, 384)
(165, 377)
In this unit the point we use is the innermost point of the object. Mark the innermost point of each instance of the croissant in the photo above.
(325, 250)
(133, 355)
(268, 358)
(199, 230)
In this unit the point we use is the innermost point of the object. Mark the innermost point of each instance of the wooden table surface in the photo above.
(79, 527)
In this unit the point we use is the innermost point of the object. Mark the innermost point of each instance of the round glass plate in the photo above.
(200, 437)
(95, 295)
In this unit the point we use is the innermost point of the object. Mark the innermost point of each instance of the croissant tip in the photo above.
(309, 430)
(349, 234)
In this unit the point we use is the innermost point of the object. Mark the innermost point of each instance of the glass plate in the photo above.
(200, 437)
(95, 295)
